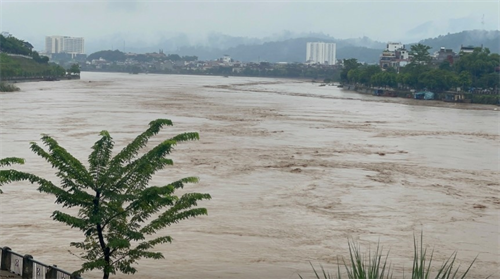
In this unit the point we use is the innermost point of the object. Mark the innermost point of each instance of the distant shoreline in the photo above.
(208, 75)
(22, 79)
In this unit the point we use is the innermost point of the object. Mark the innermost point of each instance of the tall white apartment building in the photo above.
(322, 53)
(58, 44)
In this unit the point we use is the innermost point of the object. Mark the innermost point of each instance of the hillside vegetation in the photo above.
(362, 49)
(18, 60)
(488, 39)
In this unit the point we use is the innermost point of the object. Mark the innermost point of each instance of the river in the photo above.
(295, 170)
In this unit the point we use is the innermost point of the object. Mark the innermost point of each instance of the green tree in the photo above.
(412, 73)
(367, 72)
(464, 80)
(420, 54)
(8, 162)
(385, 78)
(353, 75)
(114, 199)
(74, 69)
(478, 64)
(349, 64)
(438, 79)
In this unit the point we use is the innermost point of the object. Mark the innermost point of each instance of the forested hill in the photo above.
(18, 59)
(292, 50)
(13, 45)
(363, 49)
(489, 39)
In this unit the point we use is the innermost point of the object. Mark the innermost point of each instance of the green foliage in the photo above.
(13, 45)
(108, 55)
(5, 162)
(489, 39)
(420, 54)
(39, 59)
(375, 266)
(477, 69)
(24, 67)
(174, 57)
(363, 74)
(485, 99)
(386, 78)
(115, 202)
(5, 87)
(446, 271)
(349, 64)
(437, 79)
(74, 69)
(480, 65)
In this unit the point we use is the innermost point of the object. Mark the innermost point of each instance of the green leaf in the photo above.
(117, 208)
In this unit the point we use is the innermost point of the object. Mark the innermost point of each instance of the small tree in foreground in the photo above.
(114, 201)
(8, 162)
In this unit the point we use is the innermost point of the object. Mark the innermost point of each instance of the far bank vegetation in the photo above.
(7, 87)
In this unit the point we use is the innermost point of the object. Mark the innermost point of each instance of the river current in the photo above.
(295, 170)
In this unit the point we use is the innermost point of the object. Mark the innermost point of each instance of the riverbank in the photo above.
(42, 78)
(451, 97)
(232, 75)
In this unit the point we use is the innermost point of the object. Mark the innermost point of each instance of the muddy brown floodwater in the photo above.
(294, 170)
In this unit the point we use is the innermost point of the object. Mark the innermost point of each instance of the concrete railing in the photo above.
(28, 268)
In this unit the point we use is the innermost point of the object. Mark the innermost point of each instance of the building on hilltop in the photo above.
(444, 54)
(468, 49)
(394, 46)
(395, 55)
(64, 44)
(321, 53)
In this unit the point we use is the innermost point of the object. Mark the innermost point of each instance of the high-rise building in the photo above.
(64, 44)
(322, 53)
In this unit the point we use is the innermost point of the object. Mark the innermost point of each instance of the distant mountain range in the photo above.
(289, 47)
(489, 39)
(364, 49)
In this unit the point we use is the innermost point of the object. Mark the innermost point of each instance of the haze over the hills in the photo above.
(171, 25)
(294, 49)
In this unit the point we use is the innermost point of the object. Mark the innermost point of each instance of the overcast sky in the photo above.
(149, 21)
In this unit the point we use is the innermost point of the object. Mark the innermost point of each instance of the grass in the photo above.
(6, 87)
(375, 266)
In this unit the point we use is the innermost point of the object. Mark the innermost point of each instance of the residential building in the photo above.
(64, 44)
(395, 55)
(226, 59)
(468, 49)
(321, 53)
(394, 46)
(444, 54)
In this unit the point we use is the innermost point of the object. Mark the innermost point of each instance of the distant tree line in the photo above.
(118, 56)
(266, 69)
(479, 69)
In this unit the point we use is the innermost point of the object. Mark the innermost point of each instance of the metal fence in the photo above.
(28, 268)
